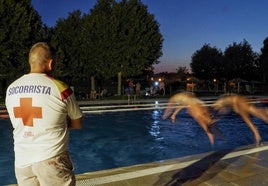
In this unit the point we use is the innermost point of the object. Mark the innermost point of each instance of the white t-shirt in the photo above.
(38, 106)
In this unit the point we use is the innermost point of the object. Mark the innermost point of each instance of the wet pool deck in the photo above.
(245, 166)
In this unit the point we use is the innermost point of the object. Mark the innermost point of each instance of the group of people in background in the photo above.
(135, 89)
(201, 113)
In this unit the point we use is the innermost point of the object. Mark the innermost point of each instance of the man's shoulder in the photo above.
(63, 88)
(60, 84)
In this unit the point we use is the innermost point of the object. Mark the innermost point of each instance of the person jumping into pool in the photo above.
(245, 109)
(196, 108)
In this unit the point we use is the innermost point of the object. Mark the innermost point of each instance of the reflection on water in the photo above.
(118, 139)
(155, 128)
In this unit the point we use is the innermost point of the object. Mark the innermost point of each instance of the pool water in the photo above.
(111, 140)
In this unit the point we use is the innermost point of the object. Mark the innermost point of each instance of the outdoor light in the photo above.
(156, 83)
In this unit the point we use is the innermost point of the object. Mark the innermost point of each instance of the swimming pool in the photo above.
(116, 139)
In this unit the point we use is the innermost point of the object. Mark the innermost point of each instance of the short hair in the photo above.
(40, 53)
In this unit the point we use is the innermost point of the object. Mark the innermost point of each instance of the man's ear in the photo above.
(50, 64)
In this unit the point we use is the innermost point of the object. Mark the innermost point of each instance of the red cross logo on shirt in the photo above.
(27, 112)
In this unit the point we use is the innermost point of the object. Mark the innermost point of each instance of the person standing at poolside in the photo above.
(42, 110)
(138, 89)
(242, 107)
(195, 107)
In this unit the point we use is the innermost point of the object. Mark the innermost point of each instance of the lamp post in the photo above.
(215, 85)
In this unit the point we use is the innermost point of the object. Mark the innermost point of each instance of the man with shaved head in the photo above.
(42, 109)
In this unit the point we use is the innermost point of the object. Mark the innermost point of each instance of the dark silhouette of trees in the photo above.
(263, 60)
(240, 62)
(206, 63)
(237, 62)
(122, 37)
(115, 38)
(20, 27)
(68, 41)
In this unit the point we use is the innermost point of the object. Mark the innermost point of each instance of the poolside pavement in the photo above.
(244, 166)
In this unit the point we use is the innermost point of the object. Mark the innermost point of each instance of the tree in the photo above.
(97, 33)
(20, 27)
(263, 60)
(140, 41)
(240, 62)
(206, 63)
(67, 39)
(123, 38)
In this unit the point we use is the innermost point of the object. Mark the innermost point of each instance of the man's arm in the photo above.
(74, 123)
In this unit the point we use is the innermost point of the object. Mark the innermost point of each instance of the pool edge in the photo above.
(124, 174)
